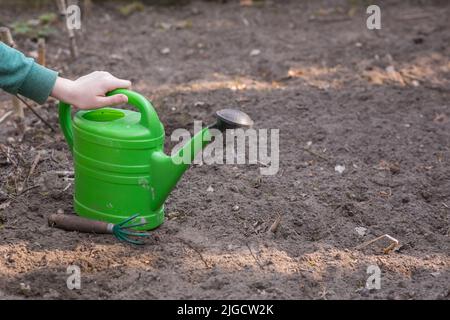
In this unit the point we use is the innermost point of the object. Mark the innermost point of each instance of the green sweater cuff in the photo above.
(38, 84)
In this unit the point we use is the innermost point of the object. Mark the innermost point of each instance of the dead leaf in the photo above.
(440, 118)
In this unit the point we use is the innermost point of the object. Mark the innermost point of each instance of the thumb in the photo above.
(111, 100)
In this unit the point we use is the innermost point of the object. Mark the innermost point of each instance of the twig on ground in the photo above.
(381, 184)
(21, 193)
(33, 167)
(254, 257)
(198, 252)
(274, 227)
(8, 155)
(5, 116)
(37, 114)
(386, 250)
(64, 173)
(315, 153)
(67, 187)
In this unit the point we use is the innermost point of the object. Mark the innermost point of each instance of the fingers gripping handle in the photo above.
(149, 117)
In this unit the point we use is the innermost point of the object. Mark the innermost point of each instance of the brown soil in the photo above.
(374, 101)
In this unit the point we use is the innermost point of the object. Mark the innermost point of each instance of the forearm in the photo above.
(21, 75)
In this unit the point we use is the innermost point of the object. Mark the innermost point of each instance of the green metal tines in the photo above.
(122, 230)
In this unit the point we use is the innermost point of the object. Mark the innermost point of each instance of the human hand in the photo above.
(88, 92)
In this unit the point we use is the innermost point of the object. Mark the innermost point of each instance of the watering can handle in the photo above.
(149, 117)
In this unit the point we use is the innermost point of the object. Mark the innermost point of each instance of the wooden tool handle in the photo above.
(76, 223)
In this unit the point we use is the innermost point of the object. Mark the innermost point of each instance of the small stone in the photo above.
(3, 196)
(390, 69)
(339, 168)
(364, 292)
(25, 287)
(33, 207)
(235, 208)
(165, 51)
(165, 25)
(199, 104)
(60, 211)
(255, 52)
(361, 231)
(116, 56)
(52, 294)
(210, 189)
(10, 140)
(358, 44)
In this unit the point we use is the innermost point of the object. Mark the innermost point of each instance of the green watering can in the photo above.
(120, 167)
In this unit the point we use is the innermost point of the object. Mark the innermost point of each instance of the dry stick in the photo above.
(5, 116)
(8, 155)
(198, 252)
(37, 114)
(61, 8)
(423, 83)
(387, 249)
(64, 173)
(87, 6)
(63, 15)
(26, 190)
(33, 167)
(274, 227)
(6, 37)
(315, 153)
(41, 52)
(254, 257)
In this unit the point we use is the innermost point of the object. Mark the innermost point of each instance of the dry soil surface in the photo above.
(375, 102)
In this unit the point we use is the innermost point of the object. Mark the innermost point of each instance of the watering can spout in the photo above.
(167, 170)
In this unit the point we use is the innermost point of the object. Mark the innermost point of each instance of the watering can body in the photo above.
(119, 163)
